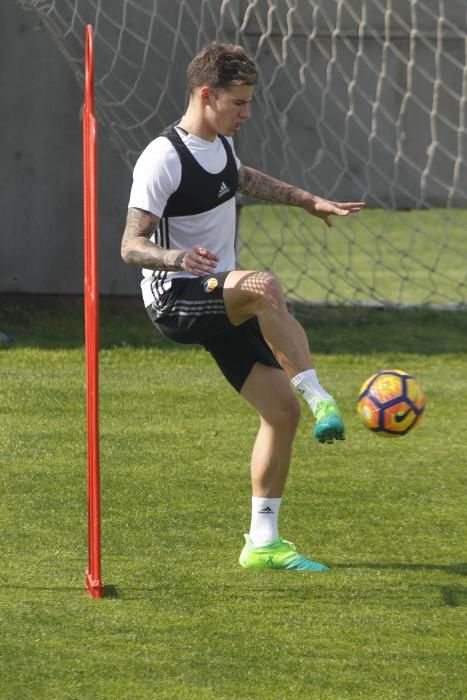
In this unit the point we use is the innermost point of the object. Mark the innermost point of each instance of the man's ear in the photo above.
(204, 94)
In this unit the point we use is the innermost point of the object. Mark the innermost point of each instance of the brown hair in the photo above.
(221, 66)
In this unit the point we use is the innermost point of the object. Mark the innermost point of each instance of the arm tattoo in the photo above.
(138, 250)
(257, 184)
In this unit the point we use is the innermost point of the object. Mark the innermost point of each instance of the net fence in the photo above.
(357, 99)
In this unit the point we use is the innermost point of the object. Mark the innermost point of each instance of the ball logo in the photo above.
(210, 285)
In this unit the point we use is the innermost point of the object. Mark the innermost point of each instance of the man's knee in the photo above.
(262, 288)
(252, 293)
(253, 283)
(269, 285)
(284, 413)
(269, 291)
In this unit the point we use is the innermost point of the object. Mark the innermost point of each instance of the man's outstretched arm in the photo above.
(254, 183)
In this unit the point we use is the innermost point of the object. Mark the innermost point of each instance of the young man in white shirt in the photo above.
(181, 230)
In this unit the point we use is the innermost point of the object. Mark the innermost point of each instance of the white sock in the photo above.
(307, 383)
(264, 518)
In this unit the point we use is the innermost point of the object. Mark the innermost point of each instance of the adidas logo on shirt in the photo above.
(223, 190)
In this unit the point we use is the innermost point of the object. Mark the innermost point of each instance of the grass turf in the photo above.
(399, 257)
(182, 620)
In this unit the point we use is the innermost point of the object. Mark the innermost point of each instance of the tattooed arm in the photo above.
(257, 184)
(138, 250)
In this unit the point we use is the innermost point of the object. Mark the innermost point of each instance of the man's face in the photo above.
(228, 109)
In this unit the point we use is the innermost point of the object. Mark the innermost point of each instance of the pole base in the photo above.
(95, 587)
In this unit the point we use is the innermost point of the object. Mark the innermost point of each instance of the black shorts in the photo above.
(193, 312)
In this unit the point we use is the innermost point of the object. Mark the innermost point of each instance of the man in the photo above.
(181, 229)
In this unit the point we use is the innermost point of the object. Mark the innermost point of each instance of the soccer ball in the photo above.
(391, 402)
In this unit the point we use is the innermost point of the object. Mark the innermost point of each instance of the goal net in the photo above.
(358, 99)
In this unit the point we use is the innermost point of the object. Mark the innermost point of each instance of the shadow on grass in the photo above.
(460, 569)
(259, 583)
(58, 323)
(452, 596)
(110, 591)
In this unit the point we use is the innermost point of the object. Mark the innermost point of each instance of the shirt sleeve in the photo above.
(156, 176)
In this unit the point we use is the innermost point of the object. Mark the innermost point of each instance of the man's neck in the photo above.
(194, 124)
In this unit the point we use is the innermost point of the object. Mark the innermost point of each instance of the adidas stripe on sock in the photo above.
(264, 520)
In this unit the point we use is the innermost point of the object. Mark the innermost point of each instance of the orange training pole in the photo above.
(94, 583)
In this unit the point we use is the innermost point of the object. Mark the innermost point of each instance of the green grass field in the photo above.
(181, 619)
(400, 257)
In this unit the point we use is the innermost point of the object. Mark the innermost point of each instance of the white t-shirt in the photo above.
(157, 174)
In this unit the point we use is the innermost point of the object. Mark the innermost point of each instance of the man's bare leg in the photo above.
(268, 390)
(248, 294)
(259, 294)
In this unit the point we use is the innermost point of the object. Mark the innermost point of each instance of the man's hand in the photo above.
(254, 183)
(324, 209)
(199, 261)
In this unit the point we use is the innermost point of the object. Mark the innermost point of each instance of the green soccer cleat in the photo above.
(278, 554)
(329, 425)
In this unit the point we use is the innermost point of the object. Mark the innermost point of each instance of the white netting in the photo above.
(357, 99)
